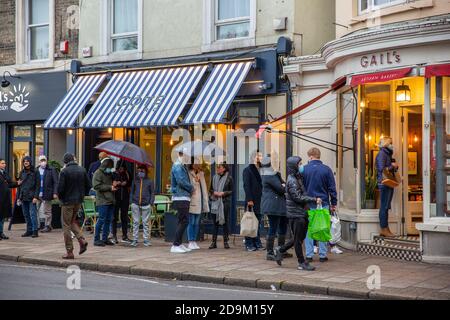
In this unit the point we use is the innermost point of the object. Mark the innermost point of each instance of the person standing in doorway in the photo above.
(221, 192)
(46, 191)
(27, 197)
(181, 199)
(73, 185)
(383, 161)
(253, 193)
(319, 183)
(199, 203)
(122, 195)
(104, 187)
(5, 196)
(142, 199)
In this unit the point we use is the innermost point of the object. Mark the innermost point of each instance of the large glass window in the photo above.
(370, 5)
(147, 141)
(124, 34)
(38, 29)
(232, 19)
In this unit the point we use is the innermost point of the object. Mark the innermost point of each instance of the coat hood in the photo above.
(27, 158)
(106, 163)
(292, 165)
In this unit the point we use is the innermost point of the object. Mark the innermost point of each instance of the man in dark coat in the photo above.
(73, 185)
(5, 196)
(27, 197)
(46, 191)
(253, 193)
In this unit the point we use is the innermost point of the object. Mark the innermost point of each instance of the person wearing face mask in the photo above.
(142, 199)
(27, 197)
(103, 184)
(384, 160)
(46, 191)
(297, 205)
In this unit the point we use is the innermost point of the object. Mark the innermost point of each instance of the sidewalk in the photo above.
(343, 275)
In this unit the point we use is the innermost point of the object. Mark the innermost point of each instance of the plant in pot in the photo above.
(370, 187)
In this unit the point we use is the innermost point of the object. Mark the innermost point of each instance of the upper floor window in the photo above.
(124, 35)
(232, 19)
(365, 6)
(38, 29)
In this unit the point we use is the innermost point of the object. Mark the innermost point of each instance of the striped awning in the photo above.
(67, 111)
(144, 98)
(218, 93)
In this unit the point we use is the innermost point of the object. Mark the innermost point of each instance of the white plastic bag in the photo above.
(335, 229)
(249, 225)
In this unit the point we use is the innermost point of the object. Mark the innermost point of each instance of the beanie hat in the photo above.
(68, 157)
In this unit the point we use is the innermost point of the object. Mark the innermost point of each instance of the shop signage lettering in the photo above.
(128, 103)
(380, 59)
(15, 99)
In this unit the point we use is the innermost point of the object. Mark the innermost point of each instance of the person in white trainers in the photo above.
(199, 202)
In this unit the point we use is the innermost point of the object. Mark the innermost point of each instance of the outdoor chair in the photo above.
(90, 212)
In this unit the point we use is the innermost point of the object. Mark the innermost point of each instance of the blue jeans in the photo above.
(30, 215)
(255, 242)
(277, 223)
(309, 243)
(193, 227)
(386, 199)
(105, 216)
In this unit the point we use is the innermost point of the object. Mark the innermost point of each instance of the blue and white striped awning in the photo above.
(144, 98)
(218, 93)
(73, 103)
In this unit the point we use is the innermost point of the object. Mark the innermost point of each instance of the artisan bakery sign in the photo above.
(380, 59)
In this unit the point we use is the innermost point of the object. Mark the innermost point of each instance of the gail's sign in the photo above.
(380, 59)
(16, 98)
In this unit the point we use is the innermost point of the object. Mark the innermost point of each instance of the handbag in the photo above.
(249, 225)
(389, 178)
(335, 229)
(319, 226)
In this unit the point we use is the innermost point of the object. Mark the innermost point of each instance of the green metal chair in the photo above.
(157, 215)
(90, 212)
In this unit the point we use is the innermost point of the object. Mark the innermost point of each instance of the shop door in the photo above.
(411, 169)
(20, 146)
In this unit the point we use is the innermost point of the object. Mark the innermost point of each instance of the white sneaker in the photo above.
(336, 250)
(182, 246)
(177, 249)
(193, 245)
(196, 246)
(316, 249)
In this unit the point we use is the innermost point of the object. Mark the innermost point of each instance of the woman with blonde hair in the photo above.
(384, 161)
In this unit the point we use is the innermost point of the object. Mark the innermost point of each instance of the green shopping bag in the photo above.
(319, 226)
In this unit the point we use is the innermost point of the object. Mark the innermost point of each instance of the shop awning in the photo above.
(74, 102)
(218, 93)
(379, 76)
(437, 70)
(144, 98)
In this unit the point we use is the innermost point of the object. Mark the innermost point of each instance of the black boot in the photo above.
(225, 242)
(269, 246)
(213, 244)
(281, 242)
(27, 234)
(35, 234)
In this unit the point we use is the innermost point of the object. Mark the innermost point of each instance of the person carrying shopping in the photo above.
(122, 204)
(253, 193)
(46, 191)
(221, 192)
(102, 182)
(182, 189)
(319, 183)
(142, 199)
(5, 196)
(27, 197)
(73, 185)
(297, 204)
(383, 161)
(273, 204)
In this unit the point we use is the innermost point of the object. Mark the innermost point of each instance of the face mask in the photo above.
(109, 170)
(141, 175)
(43, 164)
(301, 169)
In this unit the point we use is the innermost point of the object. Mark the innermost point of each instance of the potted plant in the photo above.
(370, 187)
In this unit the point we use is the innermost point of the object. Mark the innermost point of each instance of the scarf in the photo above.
(217, 203)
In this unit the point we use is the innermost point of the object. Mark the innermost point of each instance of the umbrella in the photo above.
(200, 148)
(126, 151)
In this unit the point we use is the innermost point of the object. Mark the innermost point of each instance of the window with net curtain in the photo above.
(124, 25)
(38, 29)
(232, 19)
(376, 4)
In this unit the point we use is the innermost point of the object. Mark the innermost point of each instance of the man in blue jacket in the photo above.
(181, 200)
(319, 183)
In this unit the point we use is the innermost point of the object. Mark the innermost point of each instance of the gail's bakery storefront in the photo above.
(398, 85)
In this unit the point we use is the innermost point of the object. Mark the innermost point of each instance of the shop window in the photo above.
(365, 6)
(38, 29)
(147, 141)
(39, 144)
(232, 19)
(124, 31)
(375, 109)
(440, 147)
(22, 131)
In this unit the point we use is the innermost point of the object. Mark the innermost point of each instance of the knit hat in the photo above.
(27, 158)
(68, 157)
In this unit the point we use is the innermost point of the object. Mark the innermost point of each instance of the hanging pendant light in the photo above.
(403, 93)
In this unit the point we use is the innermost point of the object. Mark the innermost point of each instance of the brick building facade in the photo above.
(8, 34)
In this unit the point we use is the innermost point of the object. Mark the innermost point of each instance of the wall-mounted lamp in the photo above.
(265, 86)
(213, 127)
(70, 131)
(402, 93)
(6, 83)
(109, 130)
